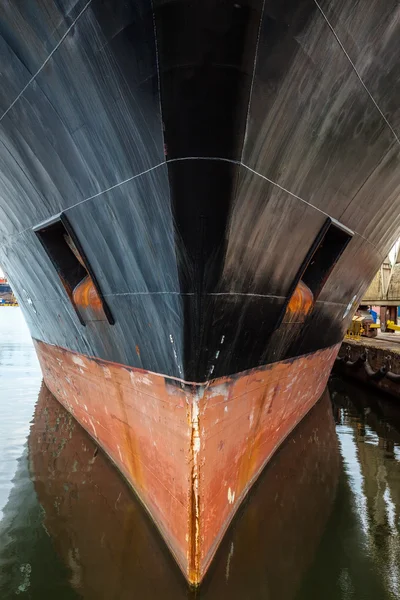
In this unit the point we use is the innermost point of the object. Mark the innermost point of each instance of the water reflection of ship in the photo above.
(371, 444)
(375, 420)
(112, 549)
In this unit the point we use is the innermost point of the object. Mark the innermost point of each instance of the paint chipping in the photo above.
(176, 356)
(120, 455)
(93, 427)
(106, 372)
(139, 379)
(251, 418)
(215, 391)
(77, 360)
(188, 405)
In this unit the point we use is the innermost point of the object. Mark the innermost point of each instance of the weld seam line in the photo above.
(172, 160)
(173, 293)
(252, 79)
(158, 69)
(262, 370)
(355, 70)
(199, 384)
(306, 202)
(194, 294)
(248, 111)
(112, 187)
(46, 61)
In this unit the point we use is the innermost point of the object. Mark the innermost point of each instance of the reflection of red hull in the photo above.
(191, 451)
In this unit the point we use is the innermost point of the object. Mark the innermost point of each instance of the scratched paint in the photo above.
(184, 200)
(190, 461)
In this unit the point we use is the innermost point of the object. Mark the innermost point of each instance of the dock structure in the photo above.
(384, 291)
(373, 361)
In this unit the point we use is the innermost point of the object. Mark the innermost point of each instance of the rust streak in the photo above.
(194, 574)
(191, 473)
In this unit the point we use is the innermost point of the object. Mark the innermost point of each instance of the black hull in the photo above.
(197, 149)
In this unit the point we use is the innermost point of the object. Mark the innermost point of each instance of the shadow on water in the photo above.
(322, 521)
(109, 548)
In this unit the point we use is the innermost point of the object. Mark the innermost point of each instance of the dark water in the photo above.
(322, 522)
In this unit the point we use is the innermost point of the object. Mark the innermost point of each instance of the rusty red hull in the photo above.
(112, 550)
(190, 451)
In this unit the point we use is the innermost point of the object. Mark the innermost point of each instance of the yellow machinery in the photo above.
(356, 329)
(391, 325)
(362, 325)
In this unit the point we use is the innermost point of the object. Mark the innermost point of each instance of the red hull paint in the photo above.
(190, 451)
(113, 552)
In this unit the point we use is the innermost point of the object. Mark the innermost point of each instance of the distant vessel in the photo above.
(194, 197)
(7, 297)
